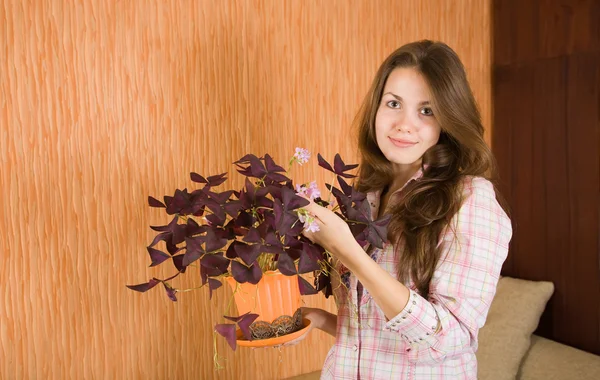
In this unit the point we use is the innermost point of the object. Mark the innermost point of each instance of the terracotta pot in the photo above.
(274, 295)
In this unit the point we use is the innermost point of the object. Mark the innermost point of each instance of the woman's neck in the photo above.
(402, 174)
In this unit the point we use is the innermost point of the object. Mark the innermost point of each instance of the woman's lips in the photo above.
(400, 143)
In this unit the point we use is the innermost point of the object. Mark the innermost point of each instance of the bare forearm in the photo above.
(321, 319)
(389, 294)
(329, 323)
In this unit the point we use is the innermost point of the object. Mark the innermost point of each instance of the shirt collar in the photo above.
(374, 197)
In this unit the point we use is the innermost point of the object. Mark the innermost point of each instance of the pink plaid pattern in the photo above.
(434, 337)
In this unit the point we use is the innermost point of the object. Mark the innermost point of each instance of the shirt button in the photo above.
(355, 347)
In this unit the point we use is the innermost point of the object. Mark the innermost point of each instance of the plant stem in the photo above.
(190, 289)
(331, 188)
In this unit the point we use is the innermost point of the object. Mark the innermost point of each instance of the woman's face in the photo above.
(405, 125)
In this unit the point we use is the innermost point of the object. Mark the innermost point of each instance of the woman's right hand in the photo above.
(317, 319)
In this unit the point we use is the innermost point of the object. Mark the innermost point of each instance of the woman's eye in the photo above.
(427, 111)
(393, 104)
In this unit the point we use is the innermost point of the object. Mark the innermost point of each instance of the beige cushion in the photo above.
(514, 315)
(550, 360)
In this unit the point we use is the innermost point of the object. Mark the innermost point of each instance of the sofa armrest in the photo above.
(550, 360)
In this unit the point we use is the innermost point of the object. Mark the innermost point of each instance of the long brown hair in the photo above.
(427, 205)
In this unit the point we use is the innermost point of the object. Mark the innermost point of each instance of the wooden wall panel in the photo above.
(572, 24)
(546, 137)
(103, 103)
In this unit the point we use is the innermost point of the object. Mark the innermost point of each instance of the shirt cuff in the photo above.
(417, 322)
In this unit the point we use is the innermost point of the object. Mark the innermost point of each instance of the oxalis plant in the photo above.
(257, 229)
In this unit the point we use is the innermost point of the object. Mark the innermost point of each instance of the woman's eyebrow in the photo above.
(399, 98)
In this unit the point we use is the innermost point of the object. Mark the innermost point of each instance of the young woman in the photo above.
(413, 309)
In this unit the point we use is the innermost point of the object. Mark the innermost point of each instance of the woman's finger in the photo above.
(314, 208)
(309, 235)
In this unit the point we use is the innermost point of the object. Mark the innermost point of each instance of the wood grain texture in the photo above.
(546, 137)
(103, 103)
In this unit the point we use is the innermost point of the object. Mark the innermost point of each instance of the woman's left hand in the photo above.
(334, 233)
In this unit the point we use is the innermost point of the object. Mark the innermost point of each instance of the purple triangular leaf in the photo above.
(214, 241)
(180, 204)
(157, 256)
(153, 202)
(160, 237)
(244, 219)
(347, 189)
(178, 262)
(244, 171)
(276, 177)
(296, 230)
(288, 221)
(246, 159)
(233, 208)
(215, 264)
(306, 264)
(231, 250)
(218, 216)
(197, 178)
(243, 274)
(294, 253)
(244, 324)
(193, 228)
(253, 236)
(323, 282)
(172, 248)
(272, 239)
(179, 234)
(221, 198)
(216, 180)
(145, 286)
(170, 292)
(338, 164)
(324, 164)
(305, 287)
(286, 265)
(264, 228)
(257, 168)
(248, 253)
(193, 250)
(160, 228)
(213, 285)
(204, 274)
(378, 231)
(364, 212)
(236, 319)
(227, 330)
(278, 211)
(250, 188)
(340, 167)
(291, 201)
(272, 249)
(272, 167)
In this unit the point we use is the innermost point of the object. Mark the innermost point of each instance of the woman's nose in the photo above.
(404, 124)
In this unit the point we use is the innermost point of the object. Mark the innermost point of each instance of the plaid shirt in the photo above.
(434, 337)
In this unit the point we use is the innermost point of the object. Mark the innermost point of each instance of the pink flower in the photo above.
(312, 226)
(313, 191)
(302, 155)
(302, 218)
(301, 190)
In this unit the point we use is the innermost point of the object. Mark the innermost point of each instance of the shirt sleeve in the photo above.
(446, 323)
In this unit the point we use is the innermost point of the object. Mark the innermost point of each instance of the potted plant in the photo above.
(252, 239)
